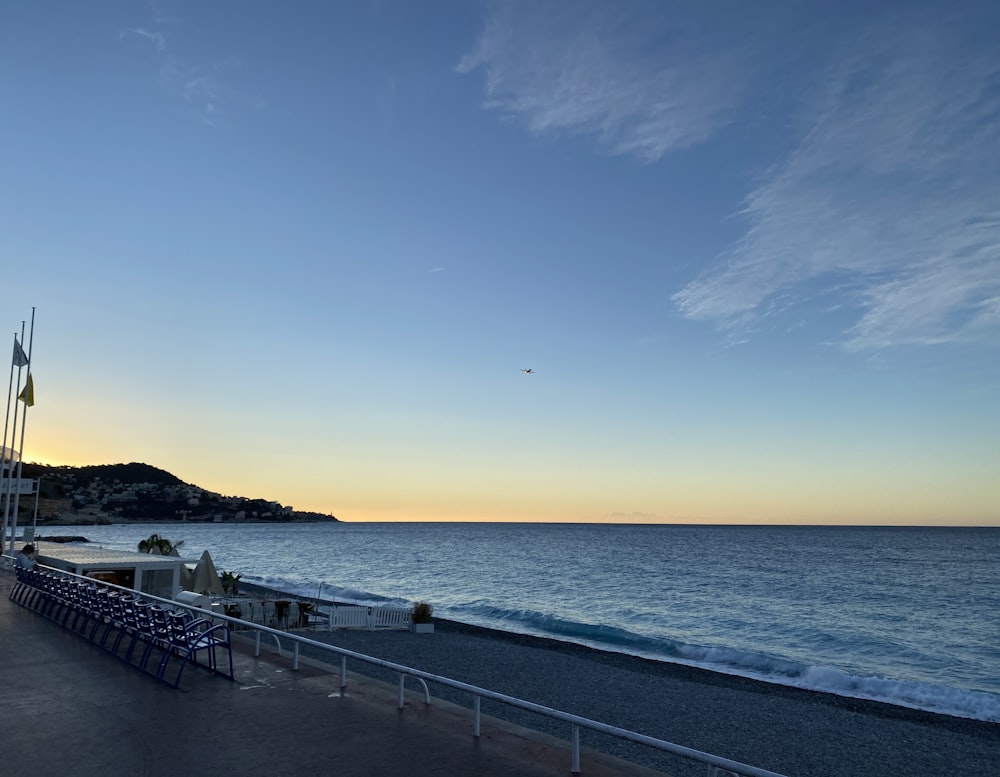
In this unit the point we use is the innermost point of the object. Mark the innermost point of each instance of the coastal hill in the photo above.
(120, 493)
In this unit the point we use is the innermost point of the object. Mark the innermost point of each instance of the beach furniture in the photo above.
(348, 616)
(189, 638)
(391, 617)
(121, 621)
(255, 612)
(193, 599)
(353, 616)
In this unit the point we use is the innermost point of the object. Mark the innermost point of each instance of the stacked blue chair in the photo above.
(190, 637)
(121, 622)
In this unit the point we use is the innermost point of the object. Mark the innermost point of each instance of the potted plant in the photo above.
(230, 583)
(422, 618)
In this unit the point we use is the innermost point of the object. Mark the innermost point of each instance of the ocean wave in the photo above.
(309, 589)
(939, 699)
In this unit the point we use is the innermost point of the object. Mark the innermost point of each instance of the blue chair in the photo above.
(190, 638)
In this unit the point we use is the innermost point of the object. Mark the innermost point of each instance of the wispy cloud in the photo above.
(141, 32)
(635, 80)
(207, 87)
(890, 198)
(633, 516)
(884, 206)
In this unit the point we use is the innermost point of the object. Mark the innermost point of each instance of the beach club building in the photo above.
(156, 575)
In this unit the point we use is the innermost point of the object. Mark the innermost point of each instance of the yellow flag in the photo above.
(27, 394)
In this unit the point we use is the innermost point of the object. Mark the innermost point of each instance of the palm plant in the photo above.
(230, 581)
(162, 545)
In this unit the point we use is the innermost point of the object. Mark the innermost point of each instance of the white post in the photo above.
(7, 470)
(575, 766)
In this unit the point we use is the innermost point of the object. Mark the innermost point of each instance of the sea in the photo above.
(904, 615)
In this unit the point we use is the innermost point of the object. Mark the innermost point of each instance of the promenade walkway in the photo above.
(69, 707)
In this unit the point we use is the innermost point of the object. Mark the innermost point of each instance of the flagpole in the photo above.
(20, 447)
(6, 428)
(8, 483)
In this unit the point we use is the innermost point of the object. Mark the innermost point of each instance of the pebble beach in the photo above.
(792, 731)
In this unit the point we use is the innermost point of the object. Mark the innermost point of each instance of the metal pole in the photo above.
(575, 769)
(10, 470)
(24, 422)
(6, 471)
(34, 517)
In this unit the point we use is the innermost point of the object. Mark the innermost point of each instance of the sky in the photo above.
(304, 252)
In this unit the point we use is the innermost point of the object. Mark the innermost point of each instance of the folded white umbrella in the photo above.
(206, 579)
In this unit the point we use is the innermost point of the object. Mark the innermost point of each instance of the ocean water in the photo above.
(909, 616)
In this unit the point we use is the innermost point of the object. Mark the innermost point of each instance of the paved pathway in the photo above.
(69, 708)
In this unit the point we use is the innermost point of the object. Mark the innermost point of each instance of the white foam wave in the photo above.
(938, 699)
(922, 696)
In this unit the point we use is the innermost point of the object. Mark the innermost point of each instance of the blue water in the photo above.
(909, 616)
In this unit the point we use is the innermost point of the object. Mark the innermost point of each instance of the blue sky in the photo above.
(303, 252)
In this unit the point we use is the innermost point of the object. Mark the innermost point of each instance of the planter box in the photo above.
(422, 628)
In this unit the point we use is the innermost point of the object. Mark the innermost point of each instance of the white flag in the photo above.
(20, 357)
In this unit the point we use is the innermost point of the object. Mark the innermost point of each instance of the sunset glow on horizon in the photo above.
(750, 258)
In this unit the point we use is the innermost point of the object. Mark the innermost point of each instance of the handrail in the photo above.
(576, 721)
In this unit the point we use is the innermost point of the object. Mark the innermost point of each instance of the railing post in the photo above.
(575, 769)
(475, 715)
(256, 650)
(402, 677)
(295, 657)
(343, 675)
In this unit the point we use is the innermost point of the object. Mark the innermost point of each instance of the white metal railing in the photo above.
(717, 766)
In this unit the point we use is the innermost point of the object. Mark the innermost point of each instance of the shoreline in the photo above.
(790, 730)
(686, 672)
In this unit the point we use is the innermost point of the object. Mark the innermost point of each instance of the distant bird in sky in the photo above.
(528, 371)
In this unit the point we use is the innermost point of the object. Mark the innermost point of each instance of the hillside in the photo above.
(120, 493)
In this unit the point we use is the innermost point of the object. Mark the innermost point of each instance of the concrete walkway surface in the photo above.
(71, 708)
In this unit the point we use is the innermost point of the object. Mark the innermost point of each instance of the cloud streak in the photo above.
(156, 38)
(884, 205)
(206, 87)
(637, 82)
(891, 191)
